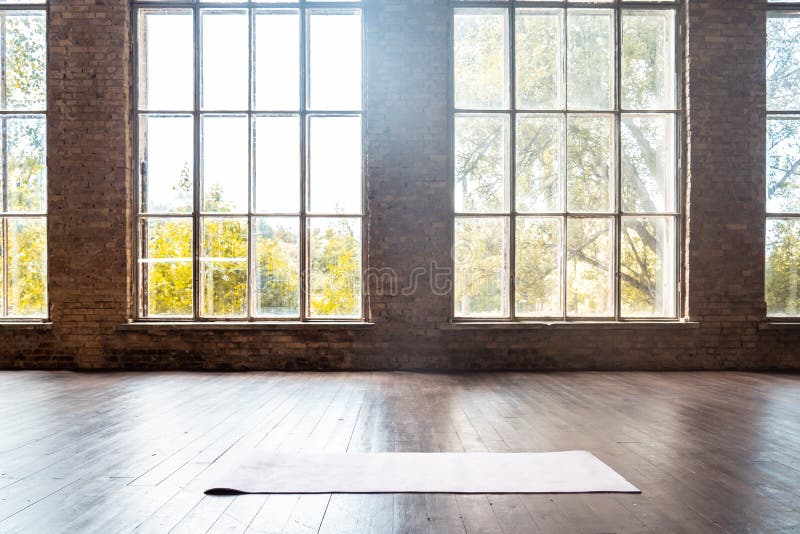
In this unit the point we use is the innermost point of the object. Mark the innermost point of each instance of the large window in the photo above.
(565, 189)
(23, 175)
(249, 161)
(783, 164)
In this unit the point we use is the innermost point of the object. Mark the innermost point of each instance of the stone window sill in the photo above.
(26, 325)
(570, 325)
(780, 325)
(243, 325)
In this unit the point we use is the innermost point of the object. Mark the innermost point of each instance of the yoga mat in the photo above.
(541, 472)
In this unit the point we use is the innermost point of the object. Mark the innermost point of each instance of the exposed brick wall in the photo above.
(407, 170)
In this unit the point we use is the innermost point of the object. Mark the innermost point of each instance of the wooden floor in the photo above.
(120, 452)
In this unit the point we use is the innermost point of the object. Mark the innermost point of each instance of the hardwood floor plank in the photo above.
(274, 515)
(239, 516)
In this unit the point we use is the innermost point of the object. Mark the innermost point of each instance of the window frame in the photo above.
(5, 215)
(512, 111)
(779, 8)
(304, 113)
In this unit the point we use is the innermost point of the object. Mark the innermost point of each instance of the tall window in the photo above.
(250, 161)
(783, 164)
(565, 182)
(23, 176)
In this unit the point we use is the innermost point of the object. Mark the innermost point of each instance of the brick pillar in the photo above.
(88, 173)
(726, 159)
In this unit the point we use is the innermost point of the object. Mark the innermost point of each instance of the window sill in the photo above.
(780, 325)
(242, 325)
(570, 325)
(26, 325)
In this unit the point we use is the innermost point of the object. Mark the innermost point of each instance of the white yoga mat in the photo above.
(543, 472)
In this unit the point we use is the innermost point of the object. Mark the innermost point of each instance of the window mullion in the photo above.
(4, 176)
(197, 185)
(511, 154)
(249, 269)
(563, 170)
(617, 237)
(303, 230)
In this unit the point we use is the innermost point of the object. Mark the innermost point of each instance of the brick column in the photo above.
(88, 173)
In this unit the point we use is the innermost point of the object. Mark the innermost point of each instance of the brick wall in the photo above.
(407, 170)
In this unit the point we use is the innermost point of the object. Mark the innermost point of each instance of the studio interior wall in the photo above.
(407, 145)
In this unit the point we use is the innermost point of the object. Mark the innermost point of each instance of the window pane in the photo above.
(783, 62)
(166, 59)
(277, 60)
(590, 163)
(223, 267)
(590, 59)
(648, 163)
(166, 267)
(166, 160)
(277, 267)
(481, 266)
(589, 267)
(27, 267)
(647, 267)
(480, 58)
(334, 60)
(27, 164)
(538, 267)
(783, 267)
(539, 59)
(540, 163)
(225, 60)
(334, 165)
(335, 259)
(277, 164)
(225, 163)
(648, 59)
(25, 60)
(783, 165)
(481, 163)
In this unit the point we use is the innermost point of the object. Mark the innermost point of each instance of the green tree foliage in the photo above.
(168, 275)
(783, 267)
(538, 266)
(223, 267)
(481, 275)
(335, 275)
(480, 55)
(24, 260)
(335, 287)
(590, 59)
(783, 166)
